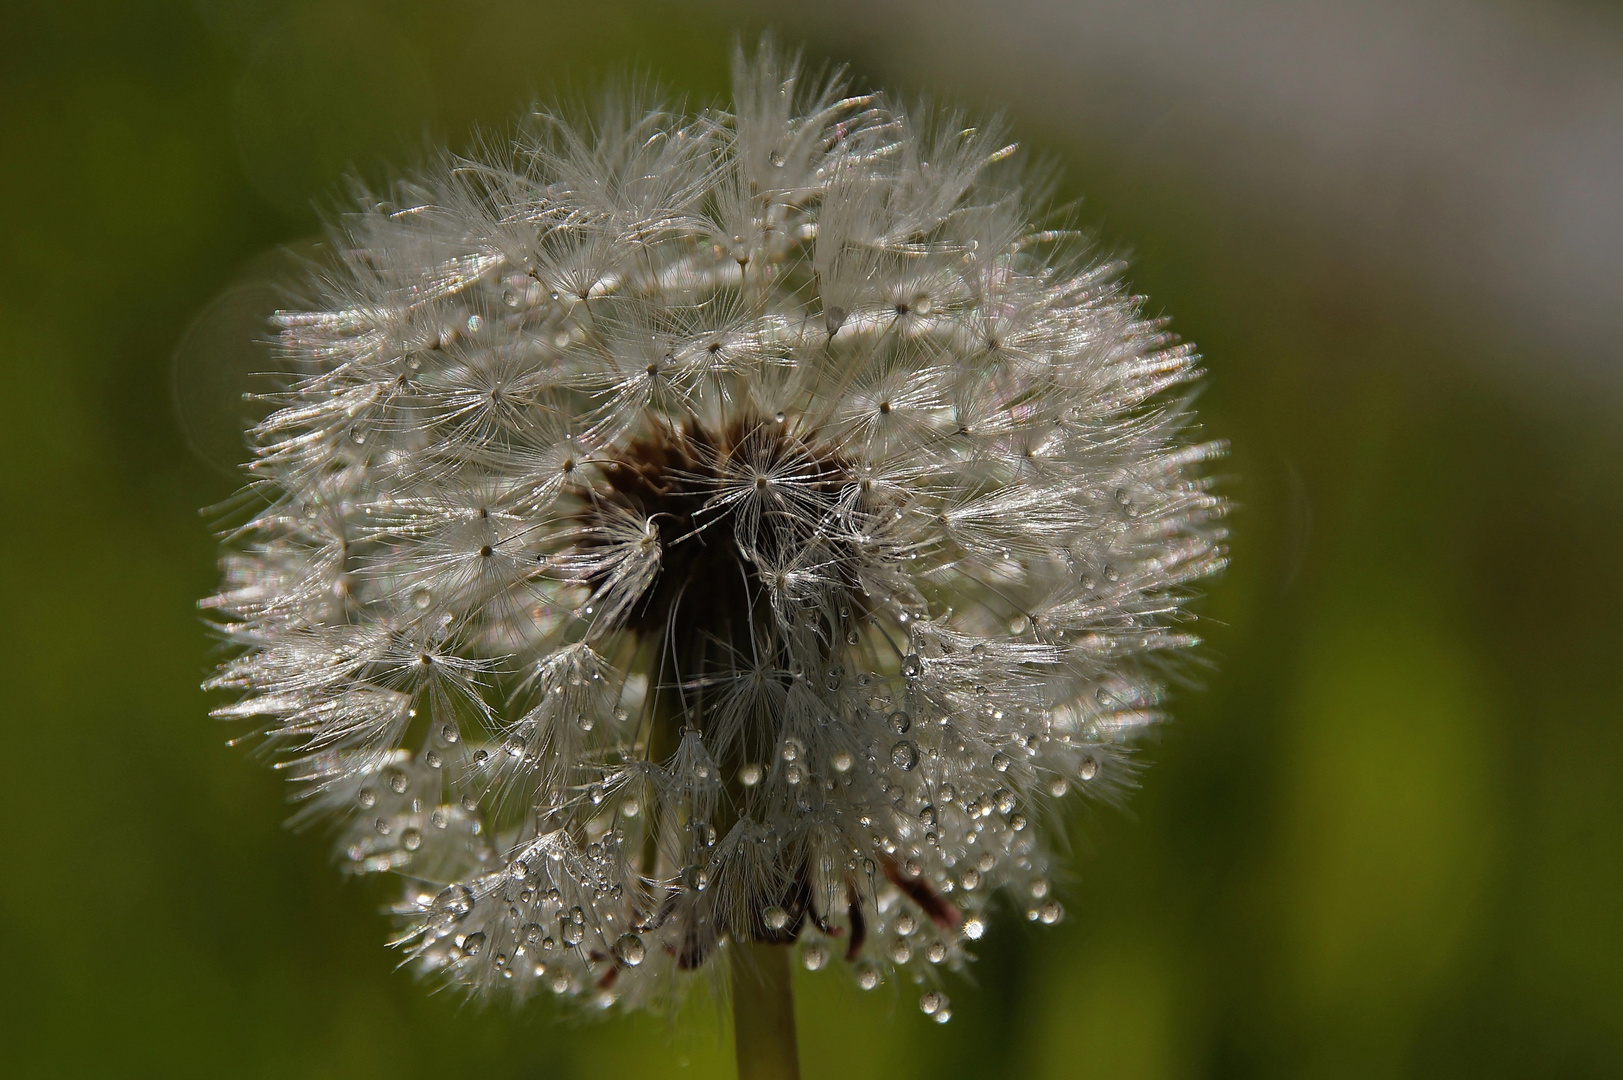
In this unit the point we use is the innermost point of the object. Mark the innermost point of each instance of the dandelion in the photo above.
(714, 536)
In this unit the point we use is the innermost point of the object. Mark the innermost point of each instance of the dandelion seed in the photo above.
(709, 529)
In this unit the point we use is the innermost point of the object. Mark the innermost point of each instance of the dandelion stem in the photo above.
(763, 1012)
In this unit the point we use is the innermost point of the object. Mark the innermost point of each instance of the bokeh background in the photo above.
(1384, 836)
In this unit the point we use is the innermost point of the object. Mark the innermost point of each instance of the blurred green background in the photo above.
(1383, 838)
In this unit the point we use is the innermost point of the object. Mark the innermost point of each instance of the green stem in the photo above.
(763, 1011)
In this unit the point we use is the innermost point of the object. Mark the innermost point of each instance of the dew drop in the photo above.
(906, 924)
(937, 952)
(411, 839)
(791, 750)
(1005, 801)
(814, 957)
(449, 733)
(749, 775)
(842, 762)
(793, 775)
(473, 943)
(905, 755)
(912, 666)
(1058, 787)
(931, 1003)
(695, 878)
(595, 794)
(431, 758)
(1017, 822)
(971, 879)
(927, 816)
(367, 798)
(899, 721)
(900, 951)
(833, 677)
(1088, 769)
(776, 159)
(973, 929)
(439, 818)
(1000, 761)
(867, 975)
(514, 746)
(421, 599)
(571, 932)
(775, 918)
(630, 950)
(1050, 913)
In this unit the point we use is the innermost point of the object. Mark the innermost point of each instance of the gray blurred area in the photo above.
(1474, 149)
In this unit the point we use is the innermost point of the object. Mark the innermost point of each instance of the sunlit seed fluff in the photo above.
(692, 529)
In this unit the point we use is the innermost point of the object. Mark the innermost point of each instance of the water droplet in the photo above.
(630, 950)
(595, 794)
(912, 666)
(942, 1015)
(775, 918)
(439, 818)
(1112, 574)
(927, 816)
(1005, 801)
(695, 878)
(367, 798)
(449, 734)
(814, 957)
(749, 775)
(630, 808)
(947, 793)
(451, 906)
(971, 879)
(1058, 787)
(906, 924)
(905, 755)
(900, 951)
(480, 757)
(867, 975)
(793, 775)
(431, 758)
(470, 804)
(411, 839)
(937, 952)
(473, 943)
(931, 1003)
(514, 746)
(791, 750)
(1000, 761)
(1017, 822)
(382, 826)
(1088, 769)
(899, 721)
(1050, 913)
(421, 599)
(776, 159)
(833, 677)
(571, 933)
(842, 762)
(974, 928)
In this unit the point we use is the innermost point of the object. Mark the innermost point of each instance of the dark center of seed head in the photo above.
(709, 585)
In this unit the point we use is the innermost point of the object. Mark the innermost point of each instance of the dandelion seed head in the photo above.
(741, 526)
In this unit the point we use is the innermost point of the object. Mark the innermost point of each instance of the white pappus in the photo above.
(700, 528)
